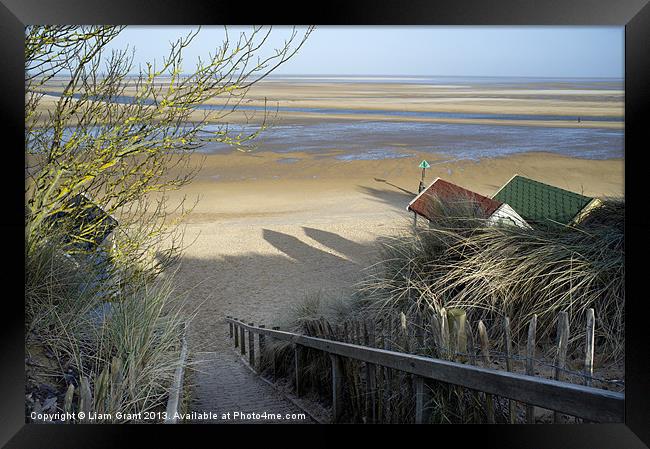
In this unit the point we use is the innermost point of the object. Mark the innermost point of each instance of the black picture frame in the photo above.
(633, 14)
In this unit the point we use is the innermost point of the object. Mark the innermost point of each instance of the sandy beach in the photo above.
(301, 214)
(266, 234)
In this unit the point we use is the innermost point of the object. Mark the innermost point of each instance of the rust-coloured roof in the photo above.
(425, 203)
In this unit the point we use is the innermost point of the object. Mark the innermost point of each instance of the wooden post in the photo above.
(251, 347)
(275, 357)
(507, 346)
(337, 388)
(298, 358)
(230, 327)
(405, 381)
(419, 400)
(262, 345)
(381, 374)
(369, 340)
(437, 333)
(471, 346)
(530, 363)
(457, 335)
(388, 374)
(357, 339)
(444, 334)
(236, 331)
(485, 348)
(471, 349)
(419, 335)
(589, 347)
(562, 346)
(242, 343)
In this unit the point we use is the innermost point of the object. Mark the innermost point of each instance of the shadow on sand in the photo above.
(351, 249)
(396, 199)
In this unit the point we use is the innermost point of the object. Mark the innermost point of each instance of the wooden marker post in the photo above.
(423, 165)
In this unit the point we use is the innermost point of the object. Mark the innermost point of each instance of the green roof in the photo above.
(539, 202)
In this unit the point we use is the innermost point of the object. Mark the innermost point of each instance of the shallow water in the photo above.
(124, 99)
(382, 140)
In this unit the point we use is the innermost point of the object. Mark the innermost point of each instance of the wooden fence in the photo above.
(583, 401)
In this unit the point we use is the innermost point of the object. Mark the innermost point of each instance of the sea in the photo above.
(376, 139)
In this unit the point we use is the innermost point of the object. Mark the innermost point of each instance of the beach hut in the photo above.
(428, 204)
(82, 210)
(537, 202)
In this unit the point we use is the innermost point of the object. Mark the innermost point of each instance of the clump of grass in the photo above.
(488, 270)
(493, 271)
(124, 341)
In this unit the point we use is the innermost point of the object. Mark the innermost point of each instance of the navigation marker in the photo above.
(423, 165)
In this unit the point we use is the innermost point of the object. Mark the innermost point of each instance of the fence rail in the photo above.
(586, 402)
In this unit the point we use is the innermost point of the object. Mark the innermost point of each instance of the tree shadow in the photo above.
(353, 250)
(299, 250)
(260, 288)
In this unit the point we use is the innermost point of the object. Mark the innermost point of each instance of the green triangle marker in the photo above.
(424, 164)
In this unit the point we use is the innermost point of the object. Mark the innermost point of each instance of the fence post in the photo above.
(369, 340)
(530, 363)
(275, 357)
(444, 334)
(337, 388)
(236, 332)
(229, 326)
(507, 343)
(251, 347)
(562, 346)
(357, 339)
(388, 374)
(405, 381)
(298, 359)
(458, 338)
(404, 341)
(419, 399)
(471, 350)
(589, 347)
(437, 334)
(485, 348)
(262, 346)
(242, 337)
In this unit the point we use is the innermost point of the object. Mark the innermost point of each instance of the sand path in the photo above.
(257, 268)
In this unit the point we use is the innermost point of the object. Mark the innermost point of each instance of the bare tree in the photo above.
(125, 140)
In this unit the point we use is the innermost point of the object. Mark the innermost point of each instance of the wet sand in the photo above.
(402, 97)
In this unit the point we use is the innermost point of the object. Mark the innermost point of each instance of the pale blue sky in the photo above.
(419, 50)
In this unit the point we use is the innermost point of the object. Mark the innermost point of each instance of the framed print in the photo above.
(403, 214)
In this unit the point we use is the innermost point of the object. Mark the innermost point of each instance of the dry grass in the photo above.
(489, 271)
(495, 271)
(124, 341)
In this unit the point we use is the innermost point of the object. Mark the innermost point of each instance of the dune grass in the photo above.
(121, 344)
(494, 271)
(489, 271)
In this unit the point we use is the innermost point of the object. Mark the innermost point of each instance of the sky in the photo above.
(591, 52)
